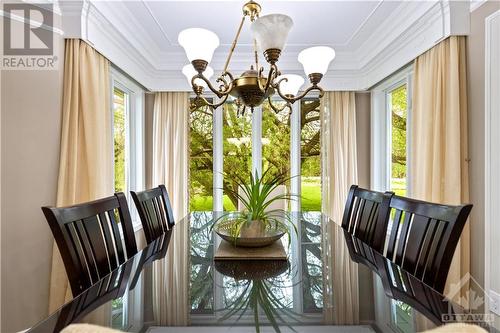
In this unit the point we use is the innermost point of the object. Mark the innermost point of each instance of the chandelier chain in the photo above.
(233, 45)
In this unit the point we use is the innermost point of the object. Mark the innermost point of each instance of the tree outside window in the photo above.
(237, 151)
(119, 134)
(399, 114)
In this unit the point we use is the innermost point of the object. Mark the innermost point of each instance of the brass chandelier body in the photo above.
(252, 87)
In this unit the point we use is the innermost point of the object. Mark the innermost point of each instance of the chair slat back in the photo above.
(89, 238)
(155, 211)
(423, 237)
(365, 215)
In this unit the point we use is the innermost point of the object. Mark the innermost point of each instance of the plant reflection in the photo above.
(257, 292)
(257, 283)
(202, 293)
(312, 267)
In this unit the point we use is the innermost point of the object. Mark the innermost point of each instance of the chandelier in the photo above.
(253, 87)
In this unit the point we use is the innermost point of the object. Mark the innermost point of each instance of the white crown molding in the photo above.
(439, 21)
(410, 30)
(125, 22)
(117, 47)
(475, 4)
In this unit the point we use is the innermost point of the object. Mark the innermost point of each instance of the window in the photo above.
(201, 159)
(120, 108)
(310, 162)
(127, 125)
(399, 115)
(276, 139)
(224, 143)
(237, 151)
(390, 114)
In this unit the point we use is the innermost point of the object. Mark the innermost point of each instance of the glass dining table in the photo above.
(330, 282)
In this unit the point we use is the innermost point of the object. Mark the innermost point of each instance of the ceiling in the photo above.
(141, 36)
(315, 23)
(344, 25)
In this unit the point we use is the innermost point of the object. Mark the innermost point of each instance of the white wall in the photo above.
(492, 153)
(476, 106)
(30, 135)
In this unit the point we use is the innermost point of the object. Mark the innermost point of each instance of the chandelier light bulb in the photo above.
(189, 72)
(292, 85)
(316, 59)
(271, 31)
(198, 43)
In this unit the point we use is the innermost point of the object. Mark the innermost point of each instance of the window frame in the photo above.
(218, 151)
(381, 129)
(134, 138)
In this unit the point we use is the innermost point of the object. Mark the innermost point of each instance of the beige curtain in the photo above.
(439, 168)
(170, 167)
(339, 173)
(85, 165)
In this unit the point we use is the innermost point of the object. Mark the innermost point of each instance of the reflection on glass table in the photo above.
(175, 281)
(271, 293)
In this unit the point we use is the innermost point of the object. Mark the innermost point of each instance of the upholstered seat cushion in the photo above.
(88, 328)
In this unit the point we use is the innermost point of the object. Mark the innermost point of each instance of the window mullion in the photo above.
(257, 140)
(218, 153)
(295, 157)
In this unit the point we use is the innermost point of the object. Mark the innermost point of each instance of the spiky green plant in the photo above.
(256, 199)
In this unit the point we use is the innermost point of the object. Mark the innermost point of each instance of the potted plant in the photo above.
(257, 224)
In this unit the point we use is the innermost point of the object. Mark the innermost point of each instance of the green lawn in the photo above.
(204, 203)
(311, 198)
(398, 185)
(311, 194)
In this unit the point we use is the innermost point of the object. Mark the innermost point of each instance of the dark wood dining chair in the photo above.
(93, 238)
(423, 237)
(155, 211)
(366, 214)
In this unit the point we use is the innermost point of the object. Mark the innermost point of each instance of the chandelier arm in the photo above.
(225, 87)
(212, 105)
(192, 104)
(233, 45)
(275, 108)
(293, 99)
(270, 77)
(219, 93)
(276, 84)
(222, 101)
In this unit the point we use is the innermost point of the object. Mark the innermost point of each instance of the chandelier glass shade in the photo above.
(316, 59)
(271, 31)
(291, 85)
(253, 87)
(198, 43)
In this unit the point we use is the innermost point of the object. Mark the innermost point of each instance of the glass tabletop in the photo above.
(329, 278)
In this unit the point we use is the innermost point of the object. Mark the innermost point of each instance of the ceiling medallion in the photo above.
(252, 87)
